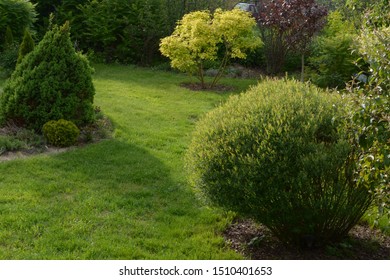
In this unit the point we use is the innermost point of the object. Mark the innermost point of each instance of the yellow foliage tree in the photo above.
(200, 36)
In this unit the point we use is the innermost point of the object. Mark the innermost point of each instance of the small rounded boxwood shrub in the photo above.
(61, 133)
(278, 154)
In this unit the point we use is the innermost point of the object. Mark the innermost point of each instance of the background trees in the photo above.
(288, 26)
(117, 30)
(16, 15)
(332, 61)
(130, 31)
(125, 31)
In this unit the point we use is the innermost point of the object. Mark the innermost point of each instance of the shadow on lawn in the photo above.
(129, 177)
(113, 162)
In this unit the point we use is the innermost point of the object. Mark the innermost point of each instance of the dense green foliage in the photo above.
(278, 154)
(17, 15)
(26, 46)
(8, 52)
(333, 60)
(117, 30)
(200, 37)
(334, 53)
(61, 133)
(371, 118)
(8, 38)
(8, 59)
(53, 82)
(121, 29)
(354, 10)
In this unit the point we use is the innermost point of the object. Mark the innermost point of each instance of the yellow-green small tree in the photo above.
(200, 36)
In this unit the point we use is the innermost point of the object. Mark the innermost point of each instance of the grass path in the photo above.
(124, 198)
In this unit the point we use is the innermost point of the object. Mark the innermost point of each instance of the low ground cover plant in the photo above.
(279, 154)
(13, 138)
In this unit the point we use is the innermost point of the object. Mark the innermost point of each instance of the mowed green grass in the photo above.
(122, 198)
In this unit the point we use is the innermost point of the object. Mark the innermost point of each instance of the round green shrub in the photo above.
(61, 133)
(278, 154)
(52, 82)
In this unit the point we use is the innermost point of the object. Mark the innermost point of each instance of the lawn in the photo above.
(122, 198)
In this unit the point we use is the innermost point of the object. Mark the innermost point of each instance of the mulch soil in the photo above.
(256, 242)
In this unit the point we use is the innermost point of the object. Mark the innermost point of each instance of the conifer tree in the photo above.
(53, 82)
(27, 45)
(9, 38)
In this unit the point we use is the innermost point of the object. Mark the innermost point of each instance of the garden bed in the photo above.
(16, 142)
(256, 242)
